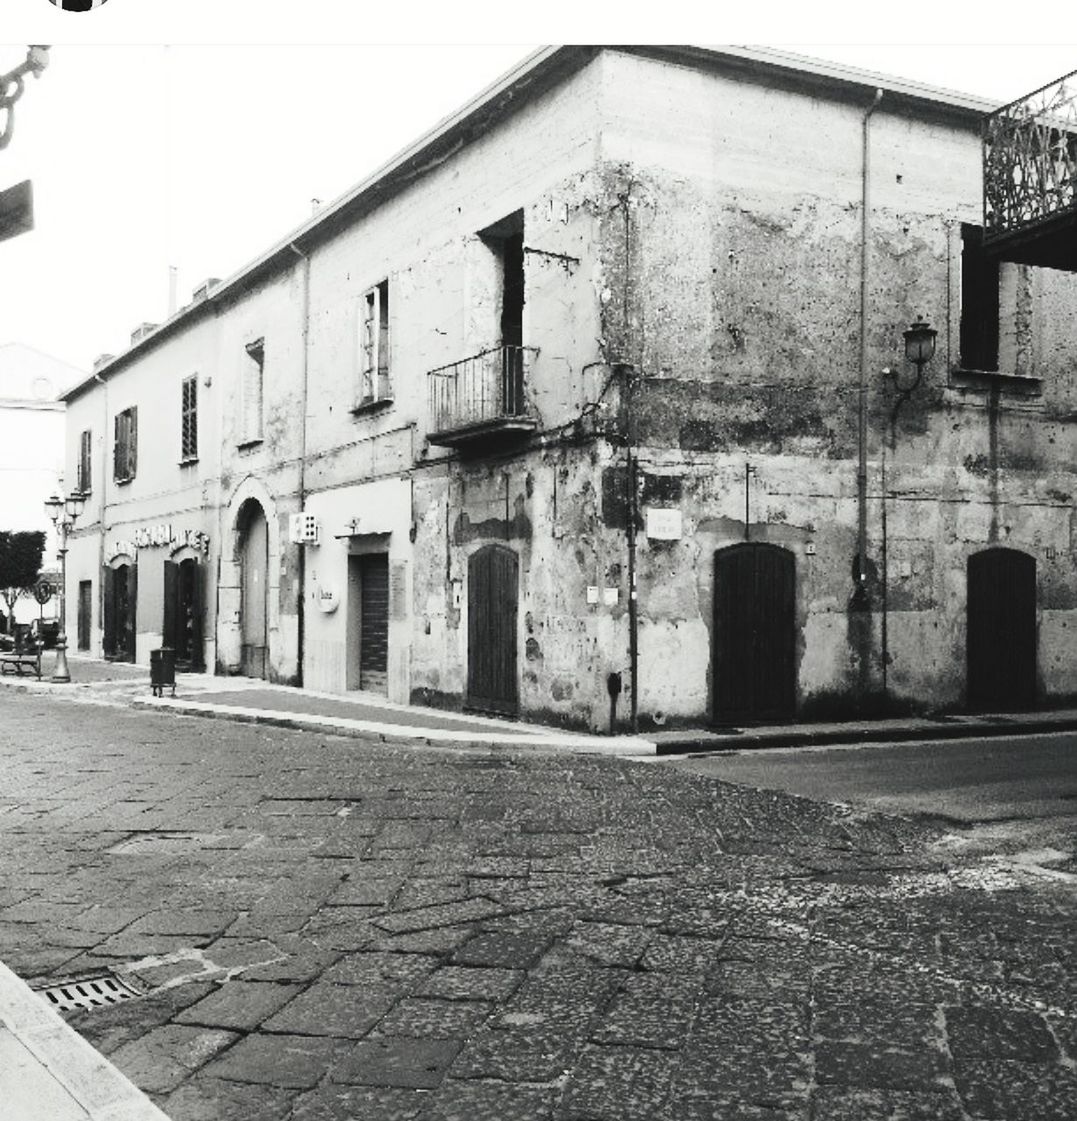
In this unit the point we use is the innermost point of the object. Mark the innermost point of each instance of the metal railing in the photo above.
(482, 389)
(1030, 159)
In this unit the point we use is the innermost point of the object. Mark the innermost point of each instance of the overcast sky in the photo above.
(200, 157)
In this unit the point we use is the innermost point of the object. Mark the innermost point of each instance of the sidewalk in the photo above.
(247, 700)
(48, 1072)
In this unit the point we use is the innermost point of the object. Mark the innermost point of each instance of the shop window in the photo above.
(979, 303)
(125, 450)
(189, 419)
(374, 384)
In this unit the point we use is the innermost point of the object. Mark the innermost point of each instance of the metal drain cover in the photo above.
(88, 993)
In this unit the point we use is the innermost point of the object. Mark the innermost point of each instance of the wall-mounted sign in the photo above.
(155, 536)
(664, 524)
(328, 599)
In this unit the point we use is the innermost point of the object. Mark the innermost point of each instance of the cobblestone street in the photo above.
(323, 928)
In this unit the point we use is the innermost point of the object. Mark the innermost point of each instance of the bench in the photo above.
(24, 654)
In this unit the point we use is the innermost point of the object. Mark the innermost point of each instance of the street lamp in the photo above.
(63, 512)
(920, 344)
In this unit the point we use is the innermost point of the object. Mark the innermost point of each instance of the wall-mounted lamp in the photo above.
(920, 344)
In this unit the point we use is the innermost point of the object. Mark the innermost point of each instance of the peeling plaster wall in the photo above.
(730, 253)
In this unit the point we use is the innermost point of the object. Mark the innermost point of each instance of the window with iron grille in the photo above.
(251, 390)
(189, 419)
(125, 450)
(374, 346)
(84, 471)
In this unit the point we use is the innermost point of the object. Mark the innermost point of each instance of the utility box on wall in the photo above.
(303, 529)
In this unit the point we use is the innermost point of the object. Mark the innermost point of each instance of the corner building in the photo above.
(623, 319)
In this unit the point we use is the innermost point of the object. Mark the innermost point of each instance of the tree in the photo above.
(20, 563)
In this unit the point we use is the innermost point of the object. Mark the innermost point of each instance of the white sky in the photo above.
(201, 156)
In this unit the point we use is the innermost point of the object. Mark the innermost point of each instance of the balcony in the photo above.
(481, 401)
(1030, 178)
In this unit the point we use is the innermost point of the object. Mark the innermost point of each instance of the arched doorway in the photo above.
(253, 557)
(119, 582)
(492, 602)
(754, 662)
(1001, 630)
(182, 625)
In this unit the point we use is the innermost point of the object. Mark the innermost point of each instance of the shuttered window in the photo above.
(374, 383)
(189, 419)
(251, 391)
(125, 449)
(979, 303)
(85, 478)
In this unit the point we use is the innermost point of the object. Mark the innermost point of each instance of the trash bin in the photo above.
(162, 670)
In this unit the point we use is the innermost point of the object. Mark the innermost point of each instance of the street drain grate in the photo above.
(88, 993)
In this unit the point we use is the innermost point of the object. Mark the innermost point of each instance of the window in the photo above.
(189, 419)
(251, 388)
(125, 451)
(374, 346)
(979, 303)
(84, 477)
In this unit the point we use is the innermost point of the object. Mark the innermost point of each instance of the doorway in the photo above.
(85, 613)
(492, 605)
(754, 662)
(368, 622)
(182, 626)
(120, 587)
(253, 596)
(1001, 630)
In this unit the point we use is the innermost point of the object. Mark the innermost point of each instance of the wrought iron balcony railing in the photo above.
(1030, 160)
(481, 395)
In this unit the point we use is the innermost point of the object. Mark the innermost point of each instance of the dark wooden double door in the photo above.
(1001, 630)
(120, 599)
(493, 575)
(754, 637)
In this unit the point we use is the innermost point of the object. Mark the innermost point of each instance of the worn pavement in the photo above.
(325, 927)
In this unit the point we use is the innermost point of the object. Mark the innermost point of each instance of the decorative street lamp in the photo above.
(920, 344)
(63, 512)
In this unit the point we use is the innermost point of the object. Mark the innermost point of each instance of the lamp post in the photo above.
(63, 512)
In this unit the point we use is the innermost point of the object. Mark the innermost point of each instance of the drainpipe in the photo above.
(860, 595)
(301, 598)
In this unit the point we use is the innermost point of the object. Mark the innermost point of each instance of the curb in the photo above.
(48, 1070)
(400, 733)
(809, 737)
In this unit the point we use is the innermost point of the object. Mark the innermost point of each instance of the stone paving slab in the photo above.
(427, 933)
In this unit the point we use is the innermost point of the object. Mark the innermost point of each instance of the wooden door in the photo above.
(493, 596)
(374, 622)
(253, 595)
(1001, 630)
(85, 610)
(754, 665)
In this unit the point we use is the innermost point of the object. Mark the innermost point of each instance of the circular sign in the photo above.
(328, 600)
(43, 592)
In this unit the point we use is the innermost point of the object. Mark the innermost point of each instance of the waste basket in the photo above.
(162, 670)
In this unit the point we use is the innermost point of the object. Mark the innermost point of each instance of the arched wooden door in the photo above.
(1001, 630)
(254, 573)
(492, 603)
(754, 664)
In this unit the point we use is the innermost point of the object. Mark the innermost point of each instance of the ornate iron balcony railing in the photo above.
(1030, 159)
(480, 392)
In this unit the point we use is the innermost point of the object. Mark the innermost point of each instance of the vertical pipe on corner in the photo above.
(862, 394)
(300, 606)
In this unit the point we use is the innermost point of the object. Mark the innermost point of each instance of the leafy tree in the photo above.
(20, 563)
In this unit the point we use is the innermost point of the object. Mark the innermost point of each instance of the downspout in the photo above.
(301, 596)
(104, 509)
(860, 595)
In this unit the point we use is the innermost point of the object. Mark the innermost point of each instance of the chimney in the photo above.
(141, 331)
(173, 281)
(202, 291)
(102, 360)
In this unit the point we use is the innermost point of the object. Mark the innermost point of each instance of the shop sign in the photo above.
(164, 534)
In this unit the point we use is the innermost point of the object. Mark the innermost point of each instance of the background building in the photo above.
(31, 448)
(617, 329)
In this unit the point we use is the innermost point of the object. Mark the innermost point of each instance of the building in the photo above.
(31, 448)
(593, 403)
